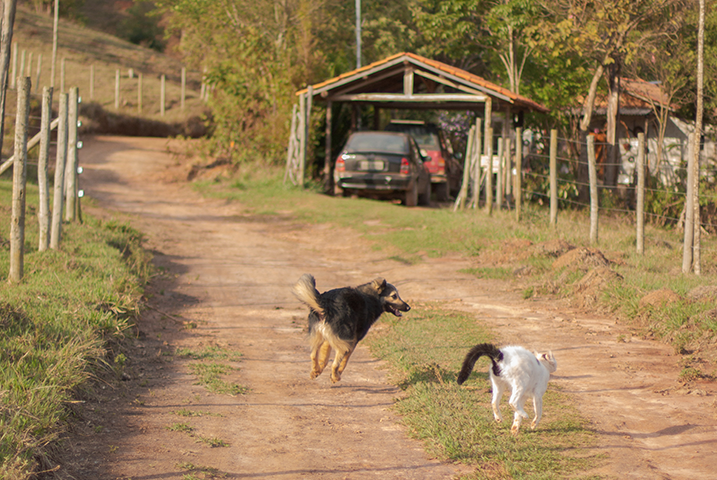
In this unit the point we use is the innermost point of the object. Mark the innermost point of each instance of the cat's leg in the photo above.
(517, 401)
(497, 395)
(538, 406)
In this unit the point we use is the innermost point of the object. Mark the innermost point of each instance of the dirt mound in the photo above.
(660, 297)
(586, 292)
(552, 248)
(581, 258)
(703, 293)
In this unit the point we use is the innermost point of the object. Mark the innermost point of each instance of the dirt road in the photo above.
(230, 275)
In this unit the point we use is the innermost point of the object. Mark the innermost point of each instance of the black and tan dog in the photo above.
(341, 318)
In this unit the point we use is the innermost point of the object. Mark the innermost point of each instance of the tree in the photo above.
(610, 33)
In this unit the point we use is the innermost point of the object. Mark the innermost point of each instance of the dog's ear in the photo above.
(379, 284)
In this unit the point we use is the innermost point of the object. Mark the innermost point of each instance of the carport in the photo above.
(401, 81)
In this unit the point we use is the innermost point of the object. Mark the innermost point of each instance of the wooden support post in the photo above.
(328, 155)
(117, 89)
(60, 161)
(463, 193)
(518, 188)
(184, 85)
(42, 180)
(163, 94)
(19, 180)
(592, 174)
(489, 172)
(71, 166)
(475, 162)
(307, 134)
(553, 178)
(640, 207)
(302, 139)
(92, 82)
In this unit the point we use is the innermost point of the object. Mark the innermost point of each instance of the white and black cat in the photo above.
(526, 374)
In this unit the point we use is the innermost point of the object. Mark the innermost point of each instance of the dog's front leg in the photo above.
(345, 360)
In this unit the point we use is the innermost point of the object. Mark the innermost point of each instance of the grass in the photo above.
(60, 327)
(410, 234)
(456, 423)
(210, 373)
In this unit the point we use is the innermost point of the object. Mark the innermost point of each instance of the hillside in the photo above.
(83, 48)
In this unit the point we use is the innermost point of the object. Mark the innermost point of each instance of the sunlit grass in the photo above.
(60, 325)
(425, 351)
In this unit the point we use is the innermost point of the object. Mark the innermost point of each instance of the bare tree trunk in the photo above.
(613, 154)
(696, 255)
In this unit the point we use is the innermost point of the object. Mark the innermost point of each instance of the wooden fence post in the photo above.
(92, 82)
(117, 88)
(553, 178)
(19, 179)
(489, 173)
(640, 207)
(6, 47)
(13, 72)
(42, 180)
(60, 161)
(139, 93)
(508, 170)
(162, 95)
(55, 25)
(62, 74)
(184, 85)
(71, 166)
(518, 188)
(592, 174)
(39, 71)
(499, 191)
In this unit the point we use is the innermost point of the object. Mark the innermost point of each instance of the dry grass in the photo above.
(81, 48)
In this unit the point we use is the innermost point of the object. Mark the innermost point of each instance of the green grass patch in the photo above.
(425, 351)
(209, 353)
(61, 325)
(209, 375)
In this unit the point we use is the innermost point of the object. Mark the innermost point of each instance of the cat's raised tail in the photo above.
(487, 349)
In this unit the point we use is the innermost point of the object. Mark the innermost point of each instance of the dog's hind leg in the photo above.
(317, 342)
(324, 352)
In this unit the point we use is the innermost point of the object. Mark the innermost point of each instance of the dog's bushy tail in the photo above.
(487, 349)
(305, 291)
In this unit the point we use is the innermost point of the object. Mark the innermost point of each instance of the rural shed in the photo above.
(401, 81)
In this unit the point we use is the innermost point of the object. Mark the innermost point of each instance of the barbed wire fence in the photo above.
(549, 176)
